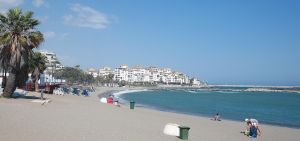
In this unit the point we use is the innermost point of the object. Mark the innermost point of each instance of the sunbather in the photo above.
(252, 128)
(216, 117)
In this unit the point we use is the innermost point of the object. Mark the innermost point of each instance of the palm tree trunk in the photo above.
(10, 86)
(4, 79)
(36, 83)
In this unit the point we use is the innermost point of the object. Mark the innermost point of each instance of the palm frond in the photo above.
(18, 37)
(35, 39)
(6, 38)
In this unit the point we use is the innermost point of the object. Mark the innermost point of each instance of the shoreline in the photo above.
(254, 86)
(155, 109)
(140, 89)
(80, 118)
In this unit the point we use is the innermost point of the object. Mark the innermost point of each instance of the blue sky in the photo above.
(253, 42)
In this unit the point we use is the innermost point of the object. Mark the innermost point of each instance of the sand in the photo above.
(77, 118)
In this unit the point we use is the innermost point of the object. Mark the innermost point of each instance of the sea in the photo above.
(268, 107)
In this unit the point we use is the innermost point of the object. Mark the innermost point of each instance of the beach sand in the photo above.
(77, 118)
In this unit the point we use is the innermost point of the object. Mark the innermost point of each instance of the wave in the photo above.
(190, 91)
(117, 94)
(194, 92)
(227, 92)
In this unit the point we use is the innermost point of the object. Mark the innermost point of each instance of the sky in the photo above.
(249, 42)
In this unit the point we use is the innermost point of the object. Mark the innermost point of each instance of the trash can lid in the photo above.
(184, 127)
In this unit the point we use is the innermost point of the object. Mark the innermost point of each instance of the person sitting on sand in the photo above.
(116, 101)
(253, 131)
(252, 128)
(110, 100)
(216, 117)
(248, 126)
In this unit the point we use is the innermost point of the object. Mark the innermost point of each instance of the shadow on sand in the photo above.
(17, 95)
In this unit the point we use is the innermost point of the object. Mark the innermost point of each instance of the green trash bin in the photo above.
(132, 104)
(184, 132)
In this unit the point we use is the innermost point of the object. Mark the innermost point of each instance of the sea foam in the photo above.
(117, 94)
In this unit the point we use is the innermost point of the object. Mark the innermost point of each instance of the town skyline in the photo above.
(150, 74)
(133, 74)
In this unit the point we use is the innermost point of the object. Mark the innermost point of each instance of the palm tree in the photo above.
(18, 36)
(110, 79)
(37, 65)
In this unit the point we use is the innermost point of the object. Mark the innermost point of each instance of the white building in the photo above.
(93, 72)
(195, 82)
(140, 74)
(154, 74)
(52, 65)
(105, 71)
(121, 73)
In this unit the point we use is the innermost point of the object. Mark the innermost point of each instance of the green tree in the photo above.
(77, 66)
(70, 74)
(110, 78)
(122, 83)
(37, 65)
(87, 78)
(100, 79)
(18, 36)
(74, 75)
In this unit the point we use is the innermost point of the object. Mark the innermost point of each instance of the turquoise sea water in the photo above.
(276, 108)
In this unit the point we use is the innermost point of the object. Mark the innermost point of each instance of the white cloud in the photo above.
(38, 3)
(6, 4)
(43, 19)
(55, 35)
(64, 35)
(49, 34)
(84, 16)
